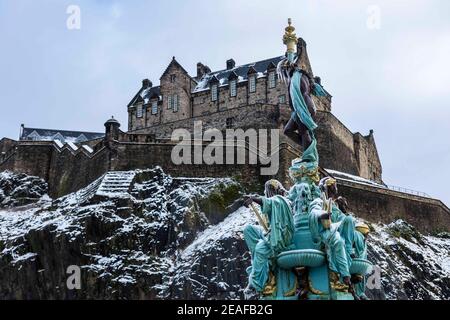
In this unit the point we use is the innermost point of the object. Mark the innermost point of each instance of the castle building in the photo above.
(245, 96)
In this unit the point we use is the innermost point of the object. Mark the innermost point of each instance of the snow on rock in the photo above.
(172, 238)
(412, 265)
(126, 247)
(220, 249)
(20, 189)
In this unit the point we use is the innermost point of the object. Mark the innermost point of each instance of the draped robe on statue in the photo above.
(346, 227)
(361, 253)
(335, 244)
(301, 112)
(265, 247)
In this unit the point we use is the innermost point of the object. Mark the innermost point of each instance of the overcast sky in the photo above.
(390, 74)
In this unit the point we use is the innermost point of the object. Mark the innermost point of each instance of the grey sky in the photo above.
(395, 80)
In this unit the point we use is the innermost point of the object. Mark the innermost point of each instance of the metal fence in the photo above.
(409, 191)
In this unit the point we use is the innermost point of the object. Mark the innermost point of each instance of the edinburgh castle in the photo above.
(248, 96)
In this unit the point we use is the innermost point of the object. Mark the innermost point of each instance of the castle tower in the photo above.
(112, 129)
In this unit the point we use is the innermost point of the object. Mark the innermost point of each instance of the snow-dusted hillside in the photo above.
(144, 235)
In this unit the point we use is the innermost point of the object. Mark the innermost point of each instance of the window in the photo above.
(252, 84)
(173, 78)
(272, 80)
(139, 111)
(233, 91)
(282, 99)
(229, 123)
(169, 102)
(154, 107)
(214, 93)
(176, 103)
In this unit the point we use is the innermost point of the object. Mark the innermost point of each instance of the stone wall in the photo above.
(384, 205)
(6, 145)
(68, 171)
(256, 116)
(342, 150)
(64, 169)
(339, 148)
(182, 86)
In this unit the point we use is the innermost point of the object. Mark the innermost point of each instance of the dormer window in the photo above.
(154, 107)
(81, 138)
(233, 89)
(139, 111)
(252, 84)
(34, 136)
(272, 79)
(173, 77)
(214, 92)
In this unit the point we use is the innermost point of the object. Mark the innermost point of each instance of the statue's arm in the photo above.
(249, 199)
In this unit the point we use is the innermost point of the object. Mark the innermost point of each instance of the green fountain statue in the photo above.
(308, 246)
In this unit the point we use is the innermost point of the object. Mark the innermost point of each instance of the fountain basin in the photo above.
(361, 266)
(301, 258)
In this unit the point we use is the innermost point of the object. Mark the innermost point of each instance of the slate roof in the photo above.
(145, 95)
(63, 135)
(241, 72)
(222, 77)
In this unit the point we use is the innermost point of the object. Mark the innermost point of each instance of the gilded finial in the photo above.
(290, 38)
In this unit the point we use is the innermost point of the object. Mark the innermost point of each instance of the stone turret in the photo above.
(112, 130)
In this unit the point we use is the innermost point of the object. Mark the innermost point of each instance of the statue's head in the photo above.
(328, 185)
(273, 188)
(363, 228)
(342, 204)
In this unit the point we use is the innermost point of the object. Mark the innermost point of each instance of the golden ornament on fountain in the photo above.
(290, 38)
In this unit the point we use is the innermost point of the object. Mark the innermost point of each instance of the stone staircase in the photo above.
(87, 193)
(116, 184)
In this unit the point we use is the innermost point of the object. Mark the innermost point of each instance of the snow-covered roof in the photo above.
(353, 178)
(223, 76)
(61, 135)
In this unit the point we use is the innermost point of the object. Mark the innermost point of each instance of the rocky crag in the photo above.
(144, 235)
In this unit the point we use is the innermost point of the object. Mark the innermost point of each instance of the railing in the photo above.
(409, 191)
(393, 188)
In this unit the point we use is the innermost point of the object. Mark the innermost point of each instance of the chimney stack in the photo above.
(202, 70)
(230, 64)
(147, 83)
